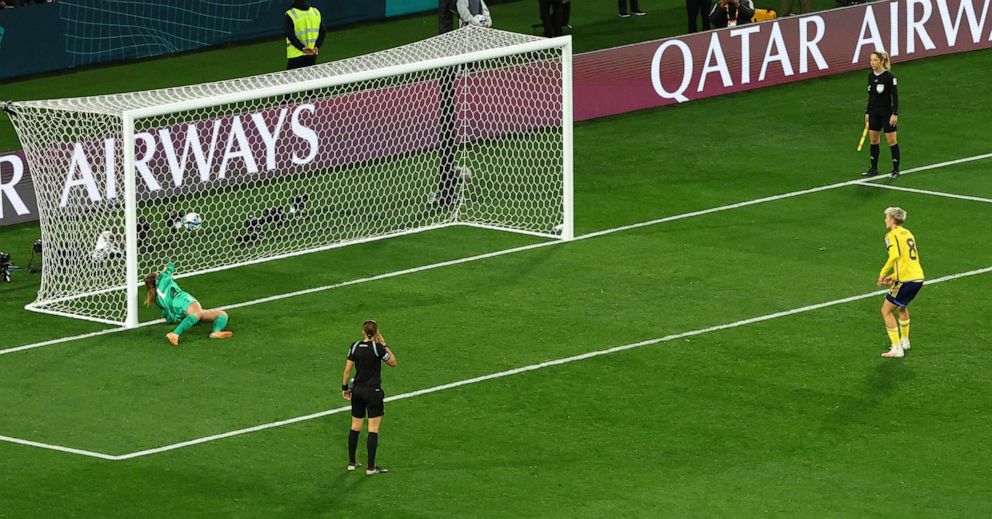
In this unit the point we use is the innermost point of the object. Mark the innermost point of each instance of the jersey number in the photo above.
(912, 248)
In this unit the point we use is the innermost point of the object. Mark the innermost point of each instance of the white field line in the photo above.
(542, 365)
(59, 448)
(933, 193)
(491, 376)
(510, 251)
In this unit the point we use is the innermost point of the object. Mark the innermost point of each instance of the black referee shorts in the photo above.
(879, 122)
(367, 399)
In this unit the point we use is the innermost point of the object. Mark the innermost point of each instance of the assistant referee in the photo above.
(882, 112)
(365, 394)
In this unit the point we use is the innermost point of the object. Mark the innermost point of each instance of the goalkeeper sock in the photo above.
(895, 156)
(904, 329)
(186, 324)
(893, 335)
(352, 445)
(373, 444)
(219, 324)
(874, 156)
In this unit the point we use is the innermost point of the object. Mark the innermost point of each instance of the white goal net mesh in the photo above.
(301, 161)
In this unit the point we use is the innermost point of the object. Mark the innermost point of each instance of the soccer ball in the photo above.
(192, 221)
(483, 20)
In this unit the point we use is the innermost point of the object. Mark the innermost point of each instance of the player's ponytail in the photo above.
(150, 281)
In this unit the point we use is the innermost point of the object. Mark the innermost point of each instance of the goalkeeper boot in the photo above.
(173, 338)
(221, 335)
(904, 344)
(895, 352)
(870, 173)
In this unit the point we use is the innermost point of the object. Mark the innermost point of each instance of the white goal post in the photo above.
(472, 127)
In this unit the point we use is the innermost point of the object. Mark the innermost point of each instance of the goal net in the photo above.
(472, 128)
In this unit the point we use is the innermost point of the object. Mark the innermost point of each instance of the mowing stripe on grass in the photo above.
(491, 376)
(928, 192)
(513, 250)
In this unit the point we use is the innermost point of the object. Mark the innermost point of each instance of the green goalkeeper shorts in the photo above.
(179, 304)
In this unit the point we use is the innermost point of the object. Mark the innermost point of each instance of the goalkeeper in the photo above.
(180, 307)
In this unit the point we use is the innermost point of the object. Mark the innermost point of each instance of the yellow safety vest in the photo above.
(306, 24)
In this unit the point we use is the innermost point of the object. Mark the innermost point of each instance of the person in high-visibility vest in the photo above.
(304, 34)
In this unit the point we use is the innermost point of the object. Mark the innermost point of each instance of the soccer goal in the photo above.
(473, 127)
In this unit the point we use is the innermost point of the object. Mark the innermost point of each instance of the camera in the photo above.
(4, 267)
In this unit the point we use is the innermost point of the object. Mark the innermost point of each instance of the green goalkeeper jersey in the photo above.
(170, 298)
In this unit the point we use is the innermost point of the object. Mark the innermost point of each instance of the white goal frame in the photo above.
(130, 116)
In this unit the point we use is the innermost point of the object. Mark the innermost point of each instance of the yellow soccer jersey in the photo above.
(904, 258)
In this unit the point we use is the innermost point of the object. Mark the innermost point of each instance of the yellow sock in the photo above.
(904, 329)
(893, 335)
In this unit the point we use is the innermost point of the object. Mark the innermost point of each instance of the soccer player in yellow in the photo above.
(905, 275)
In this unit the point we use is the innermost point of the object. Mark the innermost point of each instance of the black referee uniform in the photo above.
(366, 395)
(883, 103)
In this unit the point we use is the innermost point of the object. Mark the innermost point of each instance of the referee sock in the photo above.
(186, 324)
(373, 444)
(904, 328)
(895, 156)
(874, 156)
(352, 445)
(893, 335)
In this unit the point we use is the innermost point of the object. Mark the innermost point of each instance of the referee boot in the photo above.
(870, 173)
(353, 466)
(894, 174)
(375, 470)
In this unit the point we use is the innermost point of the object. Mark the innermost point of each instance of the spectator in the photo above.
(730, 13)
(700, 9)
(552, 16)
(634, 9)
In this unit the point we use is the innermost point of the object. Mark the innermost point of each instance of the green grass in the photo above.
(795, 416)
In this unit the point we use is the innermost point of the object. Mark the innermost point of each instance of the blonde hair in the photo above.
(884, 57)
(896, 213)
(150, 281)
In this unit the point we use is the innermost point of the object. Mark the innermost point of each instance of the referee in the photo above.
(882, 112)
(366, 393)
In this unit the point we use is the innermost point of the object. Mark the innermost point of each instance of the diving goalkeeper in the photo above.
(180, 307)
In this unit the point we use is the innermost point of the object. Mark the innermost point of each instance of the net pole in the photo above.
(130, 224)
(568, 225)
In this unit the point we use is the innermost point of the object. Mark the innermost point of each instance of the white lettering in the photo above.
(79, 163)
(915, 27)
(203, 163)
(965, 8)
(893, 28)
(745, 34)
(716, 53)
(141, 164)
(243, 151)
(109, 149)
(781, 54)
(268, 137)
(873, 37)
(8, 189)
(686, 71)
(304, 133)
(807, 46)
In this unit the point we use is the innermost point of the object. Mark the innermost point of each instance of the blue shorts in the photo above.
(901, 294)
